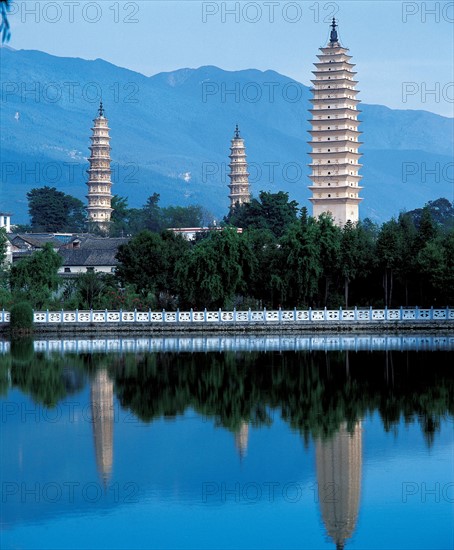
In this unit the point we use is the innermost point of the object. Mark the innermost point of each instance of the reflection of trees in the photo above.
(315, 392)
(46, 378)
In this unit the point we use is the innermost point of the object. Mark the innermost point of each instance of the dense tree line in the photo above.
(286, 258)
(282, 258)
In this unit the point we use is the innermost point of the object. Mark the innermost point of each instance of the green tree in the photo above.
(52, 211)
(272, 211)
(300, 260)
(35, 278)
(388, 252)
(3, 245)
(152, 215)
(143, 263)
(184, 216)
(210, 274)
(330, 250)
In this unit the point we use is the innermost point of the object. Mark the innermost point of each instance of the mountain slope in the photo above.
(171, 135)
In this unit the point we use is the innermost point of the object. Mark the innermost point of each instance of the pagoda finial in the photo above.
(237, 132)
(333, 37)
(101, 109)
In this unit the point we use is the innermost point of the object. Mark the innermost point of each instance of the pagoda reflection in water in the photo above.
(339, 469)
(242, 439)
(102, 410)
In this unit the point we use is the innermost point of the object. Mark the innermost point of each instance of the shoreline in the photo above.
(268, 327)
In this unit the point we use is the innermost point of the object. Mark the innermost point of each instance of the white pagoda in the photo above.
(239, 176)
(99, 174)
(335, 158)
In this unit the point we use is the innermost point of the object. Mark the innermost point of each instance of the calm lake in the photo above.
(247, 442)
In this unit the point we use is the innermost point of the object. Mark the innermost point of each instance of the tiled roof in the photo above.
(86, 257)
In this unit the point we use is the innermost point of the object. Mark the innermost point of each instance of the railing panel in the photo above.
(113, 317)
(439, 313)
(99, 317)
(363, 315)
(272, 315)
(257, 316)
(393, 314)
(318, 315)
(142, 317)
(348, 315)
(302, 315)
(39, 317)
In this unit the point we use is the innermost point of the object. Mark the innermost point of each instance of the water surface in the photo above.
(228, 443)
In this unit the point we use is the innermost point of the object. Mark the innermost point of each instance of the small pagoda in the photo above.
(239, 176)
(99, 174)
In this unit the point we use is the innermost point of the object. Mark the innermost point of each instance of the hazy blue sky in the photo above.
(403, 50)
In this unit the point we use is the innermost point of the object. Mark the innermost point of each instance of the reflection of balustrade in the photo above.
(239, 343)
(243, 317)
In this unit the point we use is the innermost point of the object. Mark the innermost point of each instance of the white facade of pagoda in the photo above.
(239, 176)
(334, 156)
(99, 174)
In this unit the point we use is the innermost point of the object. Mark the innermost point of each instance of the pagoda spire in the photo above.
(99, 173)
(334, 135)
(333, 37)
(239, 176)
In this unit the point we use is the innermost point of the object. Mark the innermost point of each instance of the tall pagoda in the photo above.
(335, 157)
(239, 182)
(99, 174)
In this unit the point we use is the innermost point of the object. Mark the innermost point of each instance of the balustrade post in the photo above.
(177, 316)
(264, 315)
(401, 313)
(234, 315)
(340, 313)
(386, 313)
(294, 314)
(280, 315)
(447, 313)
(77, 315)
(325, 314)
(149, 314)
(370, 313)
(91, 315)
(431, 313)
(163, 315)
(121, 315)
(47, 315)
(355, 315)
(416, 312)
(205, 315)
(191, 317)
(135, 315)
(220, 315)
(61, 321)
(310, 314)
(105, 313)
(249, 315)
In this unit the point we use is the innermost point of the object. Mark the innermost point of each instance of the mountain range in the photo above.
(170, 134)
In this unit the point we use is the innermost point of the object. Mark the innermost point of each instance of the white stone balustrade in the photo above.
(234, 317)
